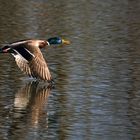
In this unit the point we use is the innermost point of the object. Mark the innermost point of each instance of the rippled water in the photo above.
(97, 91)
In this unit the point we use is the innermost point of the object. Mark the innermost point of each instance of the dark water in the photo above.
(97, 91)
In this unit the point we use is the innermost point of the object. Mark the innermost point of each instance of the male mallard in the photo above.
(29, 58)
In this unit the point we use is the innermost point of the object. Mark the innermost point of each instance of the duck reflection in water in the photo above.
(30, 105)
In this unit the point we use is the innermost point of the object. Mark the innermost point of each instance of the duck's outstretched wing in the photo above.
(23, 64)
(39, 68)
(30, 60)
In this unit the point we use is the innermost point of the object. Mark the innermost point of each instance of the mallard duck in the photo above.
(29, 58)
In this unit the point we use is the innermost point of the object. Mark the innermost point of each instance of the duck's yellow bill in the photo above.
(65, 42)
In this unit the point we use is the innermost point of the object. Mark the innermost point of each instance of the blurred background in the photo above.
(97, 90)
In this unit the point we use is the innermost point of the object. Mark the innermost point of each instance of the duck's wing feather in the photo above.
(23, 64)
(39, 68)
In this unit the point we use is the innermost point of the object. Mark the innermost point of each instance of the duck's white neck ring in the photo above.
(48, 43)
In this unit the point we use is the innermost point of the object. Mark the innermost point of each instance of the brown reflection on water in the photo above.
(31, 19)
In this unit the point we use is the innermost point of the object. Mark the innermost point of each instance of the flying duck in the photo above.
(29, 58)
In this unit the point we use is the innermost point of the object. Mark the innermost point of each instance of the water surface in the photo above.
(97, 90)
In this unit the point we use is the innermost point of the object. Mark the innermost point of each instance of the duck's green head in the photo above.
(58, 41)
